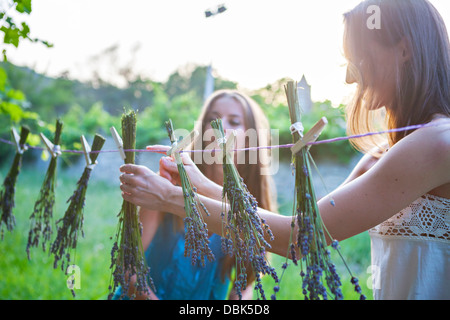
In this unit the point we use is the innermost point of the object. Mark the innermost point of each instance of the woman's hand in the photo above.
(169, 170)
(143, 187)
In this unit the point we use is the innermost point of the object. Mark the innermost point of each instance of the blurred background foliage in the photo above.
(87, 108)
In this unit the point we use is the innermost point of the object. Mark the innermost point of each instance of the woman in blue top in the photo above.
(174, 277)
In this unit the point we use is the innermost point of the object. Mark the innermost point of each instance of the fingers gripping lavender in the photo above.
(143, 187)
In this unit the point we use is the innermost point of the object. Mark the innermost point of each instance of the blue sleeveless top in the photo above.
(173, 274)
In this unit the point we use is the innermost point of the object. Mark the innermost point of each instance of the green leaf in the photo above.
(11, 109)
(30, 115)
(11, 36)
(25, 30)
(16, 95)
(23, 6)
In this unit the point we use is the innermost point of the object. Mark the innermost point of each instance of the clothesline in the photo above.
(407, 128)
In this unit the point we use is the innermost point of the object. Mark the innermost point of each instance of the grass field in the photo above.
(36, 279)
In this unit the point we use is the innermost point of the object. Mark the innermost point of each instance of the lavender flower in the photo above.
(319, 277)
(127, 254)
(72, 223)
(355, 282)
(242, 228)
(7, 194)
(42, 217)
(196, 236)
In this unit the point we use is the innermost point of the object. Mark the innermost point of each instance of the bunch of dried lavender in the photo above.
(42, 216)
(319, 277)
(127, 254)
(196, 231)
(72, 223)
(243, 229)
(7, 194)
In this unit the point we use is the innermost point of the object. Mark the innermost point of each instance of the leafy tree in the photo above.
(13, 102)
(13, 33)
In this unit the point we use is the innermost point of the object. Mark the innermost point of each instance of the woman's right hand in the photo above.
(169, 170)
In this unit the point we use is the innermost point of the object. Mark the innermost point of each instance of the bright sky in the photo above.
(254, 42)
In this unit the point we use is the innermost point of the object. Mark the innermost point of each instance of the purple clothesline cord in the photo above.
(407, 128)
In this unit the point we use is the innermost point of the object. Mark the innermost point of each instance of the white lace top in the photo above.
(411, 252)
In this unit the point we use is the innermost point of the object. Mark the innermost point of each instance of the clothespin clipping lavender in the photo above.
(243, 231)
(71, 224)
(127, 255)
(319, 276)
(196, 230)
(42, 217)
(8, 191)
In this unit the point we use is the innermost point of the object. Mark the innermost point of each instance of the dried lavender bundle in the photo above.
(320, 279)
(42, 216)
(127, 254)
(242, 228)
(71, 224)
(196, 231)
(8, 192)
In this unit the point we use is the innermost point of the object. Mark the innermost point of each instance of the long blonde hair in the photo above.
(422, 83)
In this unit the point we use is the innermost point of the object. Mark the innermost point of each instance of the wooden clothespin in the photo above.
(52, 148)
(179, 146)
(310, 136)
(300, 140)
(86, 151)
(91, 153)
(118, 141)
(19, 140)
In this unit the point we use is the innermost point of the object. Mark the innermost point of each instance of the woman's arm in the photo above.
(364, 165)
(413, 167)
(145, 188)
(417, 164)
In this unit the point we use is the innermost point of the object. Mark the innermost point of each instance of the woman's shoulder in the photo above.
(426, 149)
(431, 140)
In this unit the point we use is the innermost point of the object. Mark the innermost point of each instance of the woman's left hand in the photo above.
(143, 187)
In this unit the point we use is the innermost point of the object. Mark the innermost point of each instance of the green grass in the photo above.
(36, 279)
